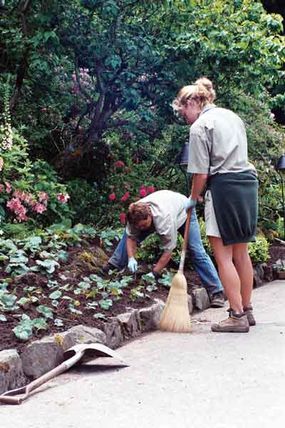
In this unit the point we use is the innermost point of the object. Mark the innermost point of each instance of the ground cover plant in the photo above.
(53, 280)
(86, 127)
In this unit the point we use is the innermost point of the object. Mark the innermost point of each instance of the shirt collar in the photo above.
(208, 107)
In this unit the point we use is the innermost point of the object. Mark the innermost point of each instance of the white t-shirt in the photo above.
(168, 214)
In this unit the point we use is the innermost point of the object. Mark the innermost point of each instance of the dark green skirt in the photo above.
(235, 200)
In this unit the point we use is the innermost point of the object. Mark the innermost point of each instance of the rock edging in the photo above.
(43, 355)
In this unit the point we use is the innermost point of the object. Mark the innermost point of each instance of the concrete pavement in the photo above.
(195, 380)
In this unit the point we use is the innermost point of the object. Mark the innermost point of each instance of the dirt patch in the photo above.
(81, 263)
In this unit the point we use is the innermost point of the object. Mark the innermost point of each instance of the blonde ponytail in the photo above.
(201, 91)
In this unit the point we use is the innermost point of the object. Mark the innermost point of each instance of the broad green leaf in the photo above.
(7, 300)
(55, 295)
(45, 310)
(40, 324)
(105, 303)
(48, 265)
(23, 301)
(24, 330)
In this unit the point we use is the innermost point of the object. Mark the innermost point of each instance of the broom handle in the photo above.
(185, 241)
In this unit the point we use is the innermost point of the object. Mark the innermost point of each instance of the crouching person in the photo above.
(164, 212)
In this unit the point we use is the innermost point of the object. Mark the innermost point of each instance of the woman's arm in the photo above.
(198, 184)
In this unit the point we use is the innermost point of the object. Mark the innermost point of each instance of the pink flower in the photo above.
(22, 217)
(25, 197)
(112, 197)
(39, 208)
(119, 164)
(43, 197)
(122, 217)
(125, 197)
(143, 191)
(150, 189)
(63, 198)
(17, 194)
(15, 205)
(8, 187)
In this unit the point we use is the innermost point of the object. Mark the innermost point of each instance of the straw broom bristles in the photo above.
(175, 316)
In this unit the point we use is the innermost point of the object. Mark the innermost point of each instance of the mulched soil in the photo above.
(73, 271)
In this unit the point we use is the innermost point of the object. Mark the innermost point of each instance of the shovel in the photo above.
(79, 353)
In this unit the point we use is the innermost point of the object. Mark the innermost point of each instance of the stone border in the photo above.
(43, 355)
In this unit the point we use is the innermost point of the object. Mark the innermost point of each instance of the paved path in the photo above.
(197, 380)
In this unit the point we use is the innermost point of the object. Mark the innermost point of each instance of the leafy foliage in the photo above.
(92, 81)
(259, 250)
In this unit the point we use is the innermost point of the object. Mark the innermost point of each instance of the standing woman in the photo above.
(219, 162)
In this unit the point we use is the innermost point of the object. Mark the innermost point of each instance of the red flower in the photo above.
(125, 197)
(63, 198)
(150, 189)
(143, 191)
(119, 164)
(112, 197)
(122, 218)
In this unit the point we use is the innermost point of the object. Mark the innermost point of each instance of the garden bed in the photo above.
(77, 293)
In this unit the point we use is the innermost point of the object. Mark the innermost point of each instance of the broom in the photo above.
(175, 316)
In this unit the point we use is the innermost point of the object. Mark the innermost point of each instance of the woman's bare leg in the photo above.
(228, 273)
(243, 266)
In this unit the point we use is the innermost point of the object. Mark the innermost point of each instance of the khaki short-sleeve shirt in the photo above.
(218, 143)
(168, 214)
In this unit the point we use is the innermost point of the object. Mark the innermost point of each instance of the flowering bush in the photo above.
(28, 191)
(124, 188)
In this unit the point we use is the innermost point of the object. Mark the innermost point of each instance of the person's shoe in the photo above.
(249, 313)
(217, 300)
(235, 323)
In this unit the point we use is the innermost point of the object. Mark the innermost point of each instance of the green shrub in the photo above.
(29, 192)
(86, 202)
(149, 249)
(205, 240)
(259, 250)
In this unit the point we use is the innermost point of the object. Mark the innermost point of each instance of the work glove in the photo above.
(190, 203)
(132, 264)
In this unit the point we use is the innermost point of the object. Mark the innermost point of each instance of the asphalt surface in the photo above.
(195, 380)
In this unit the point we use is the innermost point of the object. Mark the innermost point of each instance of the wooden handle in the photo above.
(185, 241)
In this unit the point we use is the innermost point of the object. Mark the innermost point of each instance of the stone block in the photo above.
(201, 298)
(149, 317)
(258, 275)
(113, 332)
(11, 370)
(268, 274)
(41, 356)
(190, 304)
(130, 324)
(80, 334)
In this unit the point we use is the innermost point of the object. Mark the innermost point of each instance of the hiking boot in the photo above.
(249, 313)
(235, 323)
(217, 300)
